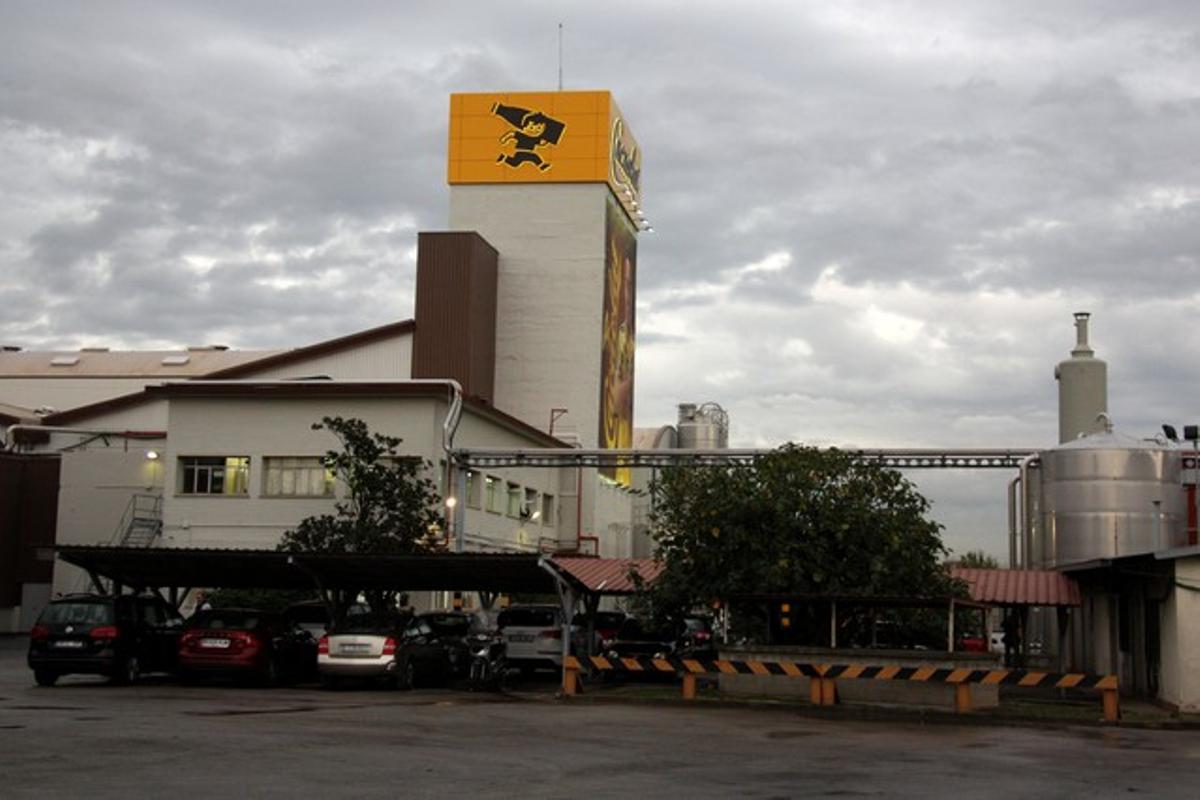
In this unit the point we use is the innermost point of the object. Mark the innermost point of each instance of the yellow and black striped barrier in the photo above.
(823, 677)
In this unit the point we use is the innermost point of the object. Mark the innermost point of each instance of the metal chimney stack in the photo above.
(1082, 387)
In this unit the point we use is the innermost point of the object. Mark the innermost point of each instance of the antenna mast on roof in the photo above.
(560, 56)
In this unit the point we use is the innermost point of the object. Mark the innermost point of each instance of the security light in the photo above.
(1191, 432)
(1170, 432)
(152, 455)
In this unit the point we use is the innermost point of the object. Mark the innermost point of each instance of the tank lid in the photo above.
(1111, 440)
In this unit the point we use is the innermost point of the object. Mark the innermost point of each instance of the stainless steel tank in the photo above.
(1107, 495)
(703, 427)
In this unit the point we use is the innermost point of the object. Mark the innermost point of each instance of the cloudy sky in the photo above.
(873, 220)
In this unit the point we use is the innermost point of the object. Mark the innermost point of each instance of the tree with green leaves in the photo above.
(392, 507)
(976, 559)
(798, 520)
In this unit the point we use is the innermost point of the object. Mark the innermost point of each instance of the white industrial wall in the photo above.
(147, 415)
(282, 427)
(1180, 644)
(96, 483)
(256, 428)
(486, 529)
(550, 296)
(549, 305)
(613, 522)
(386, 359)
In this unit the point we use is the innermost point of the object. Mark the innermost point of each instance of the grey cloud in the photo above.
(966, 150)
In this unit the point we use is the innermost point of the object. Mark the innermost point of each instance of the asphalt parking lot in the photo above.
(85, 738)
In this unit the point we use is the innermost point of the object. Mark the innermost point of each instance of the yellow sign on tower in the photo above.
(544, 137)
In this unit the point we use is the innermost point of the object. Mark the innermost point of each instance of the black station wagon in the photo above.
(120, 637)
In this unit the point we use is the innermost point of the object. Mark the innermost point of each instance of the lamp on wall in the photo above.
(152, 455)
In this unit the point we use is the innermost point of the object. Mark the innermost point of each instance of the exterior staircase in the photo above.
(141, 524)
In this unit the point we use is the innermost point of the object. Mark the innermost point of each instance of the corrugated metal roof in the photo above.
(125, 363)
(608, 575)
(1028, 587)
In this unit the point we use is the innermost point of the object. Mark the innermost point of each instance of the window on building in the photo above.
(491, 488)
(297, 477)
(474, 489)
(513, 506)
(548, 510)
(529, 507)
(214, 474)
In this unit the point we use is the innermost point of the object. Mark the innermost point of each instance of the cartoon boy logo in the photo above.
(531, 130)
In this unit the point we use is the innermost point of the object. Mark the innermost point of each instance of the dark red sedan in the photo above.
(246, 642)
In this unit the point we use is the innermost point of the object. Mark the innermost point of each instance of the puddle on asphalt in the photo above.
(789, 734)
(242, 712)
(48, 708)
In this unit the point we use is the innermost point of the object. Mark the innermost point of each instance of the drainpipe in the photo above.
(453, 517)
(1012, 521)
(1026, 527)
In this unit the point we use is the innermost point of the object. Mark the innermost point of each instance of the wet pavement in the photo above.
(85, 738)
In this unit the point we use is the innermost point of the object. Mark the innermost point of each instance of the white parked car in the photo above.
(359, 651)
(532, 636)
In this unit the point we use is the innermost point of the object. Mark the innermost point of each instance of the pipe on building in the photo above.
(1012, 521)
(1026, 526)
(10, 434)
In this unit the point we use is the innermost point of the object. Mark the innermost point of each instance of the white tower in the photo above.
(552, 181)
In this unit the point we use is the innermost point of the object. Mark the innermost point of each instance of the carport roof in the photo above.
(610, 576)
(1019, 587)
(270, 569)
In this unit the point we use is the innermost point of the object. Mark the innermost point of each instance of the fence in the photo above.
(823, 678)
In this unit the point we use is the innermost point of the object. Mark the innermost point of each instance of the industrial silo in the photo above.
(1106, 495)
(704, 427)
(1082, 386)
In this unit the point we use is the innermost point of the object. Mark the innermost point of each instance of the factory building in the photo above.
(523, 336)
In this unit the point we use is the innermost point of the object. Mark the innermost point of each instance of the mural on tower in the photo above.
(530, 131)
(616, 361)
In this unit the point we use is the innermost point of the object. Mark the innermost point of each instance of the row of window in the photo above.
(307, 476)
(282, 477)
(511, 499)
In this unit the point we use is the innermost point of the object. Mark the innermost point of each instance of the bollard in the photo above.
(689, 686)
(962, 698)
(828, 692)
(570, 681)
(1112, 705)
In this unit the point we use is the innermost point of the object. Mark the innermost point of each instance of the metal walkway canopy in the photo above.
(929, 458)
